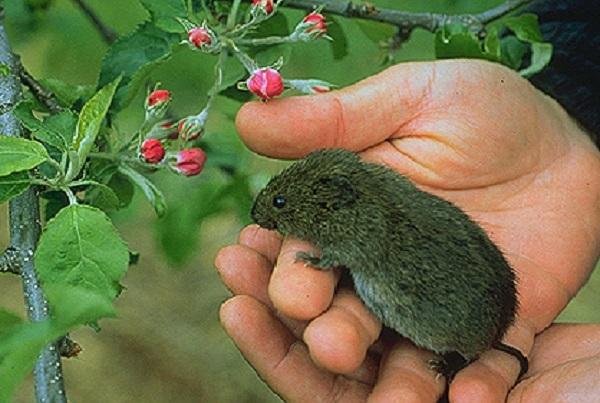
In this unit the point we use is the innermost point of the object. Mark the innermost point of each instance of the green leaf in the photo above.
(38, 6)
(513, 51)
(491, 44)
(178, 230)
(123, 188)
(13, 185)
(541, 54)
(268, 56)
(237, 196)
(56, 200)
(339, 45)
(106, 172)
(154, 196)
(17, 154)
(164, 12)
(7, 321)
(61, 126)
(277, 25)
(55, 130)
(134, 57)
(525, 27)
(233, 71)
(102, 196)
(81, 247)
(376, 31)
(216, 193)
(19, 348)
(72, 306)
(21, 343)
(178, 233)
(90, 119)
(68, 94)
(457, 41)
(234, 94)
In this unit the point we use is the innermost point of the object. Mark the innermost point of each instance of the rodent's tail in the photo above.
(523, 361)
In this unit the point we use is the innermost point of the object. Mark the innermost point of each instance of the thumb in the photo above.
(355, 118)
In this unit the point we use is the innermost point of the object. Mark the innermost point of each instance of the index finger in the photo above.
(296, 289)
(354, 118)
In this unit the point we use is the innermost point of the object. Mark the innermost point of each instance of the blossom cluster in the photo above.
(153, 150)
(166, 142)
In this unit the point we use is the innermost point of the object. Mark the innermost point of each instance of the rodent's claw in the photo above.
(311, 260)
(308, 258)
(448, 365)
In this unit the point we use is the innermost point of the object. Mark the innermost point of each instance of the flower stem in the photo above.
(104, 156)
(232, 17)
(269, 40)
(70, 195)
(248, 63)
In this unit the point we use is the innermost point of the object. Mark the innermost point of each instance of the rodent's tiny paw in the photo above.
(307, 258)
(438, 365)
(448, 365)
(311, 260)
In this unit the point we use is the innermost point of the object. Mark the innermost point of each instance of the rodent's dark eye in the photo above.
(279, 201)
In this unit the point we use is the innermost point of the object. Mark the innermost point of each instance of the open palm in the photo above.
(471, 132)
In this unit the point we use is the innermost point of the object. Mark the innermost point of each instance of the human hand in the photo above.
(338, 366)
(471, 132)
(565, 362)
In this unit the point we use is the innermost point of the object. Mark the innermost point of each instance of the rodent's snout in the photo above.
(270, 225)
(262, 219)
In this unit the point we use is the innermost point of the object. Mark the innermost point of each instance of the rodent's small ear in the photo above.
(339, 189)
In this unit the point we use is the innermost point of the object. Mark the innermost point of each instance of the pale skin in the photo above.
(474, 133)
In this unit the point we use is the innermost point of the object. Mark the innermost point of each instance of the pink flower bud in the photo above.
(192, 127)
(320, 88)
(162, 130)
(200, 37)
(158, 97)
(153, 151)
(169, 128)
(265, 83)
(318, 25)
(189, 162)
(267, 6)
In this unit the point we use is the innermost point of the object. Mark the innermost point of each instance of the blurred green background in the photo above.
(167, 344)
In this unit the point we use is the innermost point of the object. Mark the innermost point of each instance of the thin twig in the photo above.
(44, 96)
(9, 262)
(24, 219)
(107, 33)
(406, 21)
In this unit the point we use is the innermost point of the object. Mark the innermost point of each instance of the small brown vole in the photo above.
(418, 262)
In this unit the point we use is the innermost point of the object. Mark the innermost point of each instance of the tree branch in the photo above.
(24, 219)
(44, 96)
(501, 10)
(107, 33)
(9, 261)
(406, 21)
